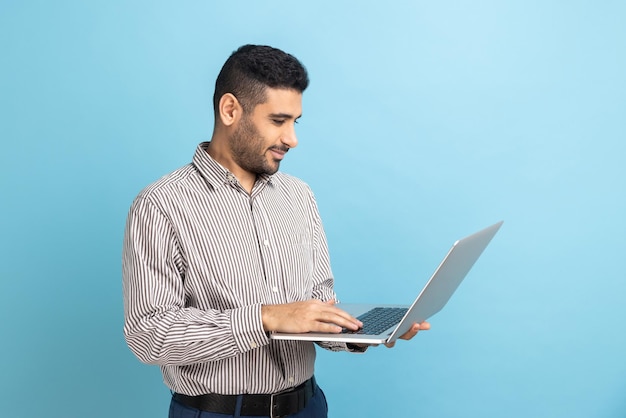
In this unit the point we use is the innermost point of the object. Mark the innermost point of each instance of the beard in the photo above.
(249, 150)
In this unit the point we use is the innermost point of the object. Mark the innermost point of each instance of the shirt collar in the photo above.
(216, 174)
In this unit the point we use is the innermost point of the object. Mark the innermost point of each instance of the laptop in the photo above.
(384, 323)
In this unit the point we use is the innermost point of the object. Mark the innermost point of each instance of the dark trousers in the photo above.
(317, 408)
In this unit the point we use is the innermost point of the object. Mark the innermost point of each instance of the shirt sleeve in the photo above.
(158, 328)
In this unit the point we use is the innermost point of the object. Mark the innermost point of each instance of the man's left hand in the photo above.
(412, 332)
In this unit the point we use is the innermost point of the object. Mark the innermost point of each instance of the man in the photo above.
(226, 249)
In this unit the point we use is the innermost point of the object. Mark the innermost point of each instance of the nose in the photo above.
(289, 137)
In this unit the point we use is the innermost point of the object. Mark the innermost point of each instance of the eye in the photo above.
(278, 122)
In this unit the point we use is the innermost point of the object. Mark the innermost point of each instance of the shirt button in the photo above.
(266, 243)
(275, 289)
(252, 344)
(291, 379)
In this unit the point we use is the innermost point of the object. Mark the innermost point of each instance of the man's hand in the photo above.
(308, 316)
(412, 332)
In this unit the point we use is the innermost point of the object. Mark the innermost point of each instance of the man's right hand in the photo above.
(308, 316)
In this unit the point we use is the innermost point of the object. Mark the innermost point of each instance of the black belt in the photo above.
(279, 404)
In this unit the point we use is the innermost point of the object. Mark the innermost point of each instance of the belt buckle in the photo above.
(273, 397)
(272, 406)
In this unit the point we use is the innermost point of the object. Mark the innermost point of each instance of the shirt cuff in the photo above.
(353, 348)
(247, 328)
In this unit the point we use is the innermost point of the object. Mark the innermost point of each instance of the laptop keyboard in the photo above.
(377, 320)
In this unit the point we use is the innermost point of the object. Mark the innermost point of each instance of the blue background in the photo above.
(424, 121)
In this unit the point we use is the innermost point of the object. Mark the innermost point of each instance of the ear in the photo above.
(230, 109)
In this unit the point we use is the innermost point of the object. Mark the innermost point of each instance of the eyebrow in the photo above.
(283, 116)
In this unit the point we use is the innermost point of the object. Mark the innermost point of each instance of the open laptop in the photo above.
(397, 319)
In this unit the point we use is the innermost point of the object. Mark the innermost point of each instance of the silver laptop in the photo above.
(385, 323)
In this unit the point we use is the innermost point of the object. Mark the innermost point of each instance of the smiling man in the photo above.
(226, 249)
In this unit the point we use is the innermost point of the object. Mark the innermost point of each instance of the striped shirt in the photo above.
(200, 257)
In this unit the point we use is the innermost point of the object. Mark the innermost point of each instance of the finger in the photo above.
(326, 327)
(408, 335)
(325, 317)
(390, 345)
(412, 332)
(341, 318)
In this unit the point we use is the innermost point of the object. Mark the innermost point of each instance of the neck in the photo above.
(217, 151)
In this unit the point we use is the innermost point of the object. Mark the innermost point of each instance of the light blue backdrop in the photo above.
(424, 121)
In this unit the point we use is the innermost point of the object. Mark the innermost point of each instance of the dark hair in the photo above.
(252, 68)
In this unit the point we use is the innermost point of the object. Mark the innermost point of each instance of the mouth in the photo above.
(278, 152)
